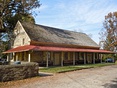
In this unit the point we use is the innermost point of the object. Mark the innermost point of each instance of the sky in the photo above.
(85, 16)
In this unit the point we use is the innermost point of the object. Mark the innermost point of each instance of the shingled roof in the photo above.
(42, 33)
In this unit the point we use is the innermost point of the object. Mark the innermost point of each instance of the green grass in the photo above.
(72, 68)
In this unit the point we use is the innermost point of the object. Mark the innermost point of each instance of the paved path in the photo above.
(104, 77)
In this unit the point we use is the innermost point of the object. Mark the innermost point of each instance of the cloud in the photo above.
(85, 15)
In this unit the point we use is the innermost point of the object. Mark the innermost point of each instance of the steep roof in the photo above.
(42, 33)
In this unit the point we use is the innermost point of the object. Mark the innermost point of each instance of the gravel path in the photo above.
(103, 77)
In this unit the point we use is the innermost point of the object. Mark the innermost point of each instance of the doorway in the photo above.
(89, 58)
(57, 58)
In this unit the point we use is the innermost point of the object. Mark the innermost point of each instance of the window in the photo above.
(81, 56)
(66, 55)
(71, 55)
(23, 41)
(77, 56)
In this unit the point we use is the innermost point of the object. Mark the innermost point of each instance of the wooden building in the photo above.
(52, 46)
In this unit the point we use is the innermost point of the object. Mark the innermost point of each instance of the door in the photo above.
(89, 58)
(56, 58)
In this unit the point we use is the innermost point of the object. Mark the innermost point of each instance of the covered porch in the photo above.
(49, 56)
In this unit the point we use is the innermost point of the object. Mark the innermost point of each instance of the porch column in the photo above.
(47, 59)
(84, 58)
(13, 57)
(52, 56)
(8, 57)
(93, 58)
(69, 56)
(29, 58)
(100, 55)
(97, 56)
(73, 58)
(62, 57)
(16, 56)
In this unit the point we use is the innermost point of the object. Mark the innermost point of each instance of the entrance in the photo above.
(57, 58)
(89, 58)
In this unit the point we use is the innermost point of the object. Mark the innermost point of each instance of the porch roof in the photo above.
(50, 48)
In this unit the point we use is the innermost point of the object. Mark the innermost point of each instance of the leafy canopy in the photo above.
(13, 10)
(10, 12)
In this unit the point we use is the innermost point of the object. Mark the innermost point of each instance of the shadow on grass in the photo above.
(113, 84)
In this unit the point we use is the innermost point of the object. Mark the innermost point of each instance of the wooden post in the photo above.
(97, 56)
(47, 59)
(8, 57)
(62, 58)
(13, 57)
(68, 55)
(16, 56)
(84, 58)
(100, 55)
(93, 58)
(29, 58)
(51, 55)
(73, 58)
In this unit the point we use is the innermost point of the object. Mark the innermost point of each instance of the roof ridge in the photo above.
(54, 27)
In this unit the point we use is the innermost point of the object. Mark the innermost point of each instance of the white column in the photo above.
(47, 59)
(100, 55)
(84, 58)
(62, 58)
(13, 57)
(52, 56)
(16, 56)
(73, 58)
(97, 56)
(8, 57)
(29, 58)
(69, 56)
(93, 58)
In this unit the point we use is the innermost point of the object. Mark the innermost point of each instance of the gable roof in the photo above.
(47, 34)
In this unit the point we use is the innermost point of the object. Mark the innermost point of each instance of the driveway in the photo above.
(103, 77)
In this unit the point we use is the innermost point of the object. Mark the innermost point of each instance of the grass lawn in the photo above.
(59, 69)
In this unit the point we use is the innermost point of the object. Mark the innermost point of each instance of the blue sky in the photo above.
(76, 15)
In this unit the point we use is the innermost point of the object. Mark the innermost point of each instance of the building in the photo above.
(53, 46)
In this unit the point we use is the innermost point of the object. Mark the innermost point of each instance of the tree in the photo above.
(10, 12)
(109, 34)
(12, 8)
